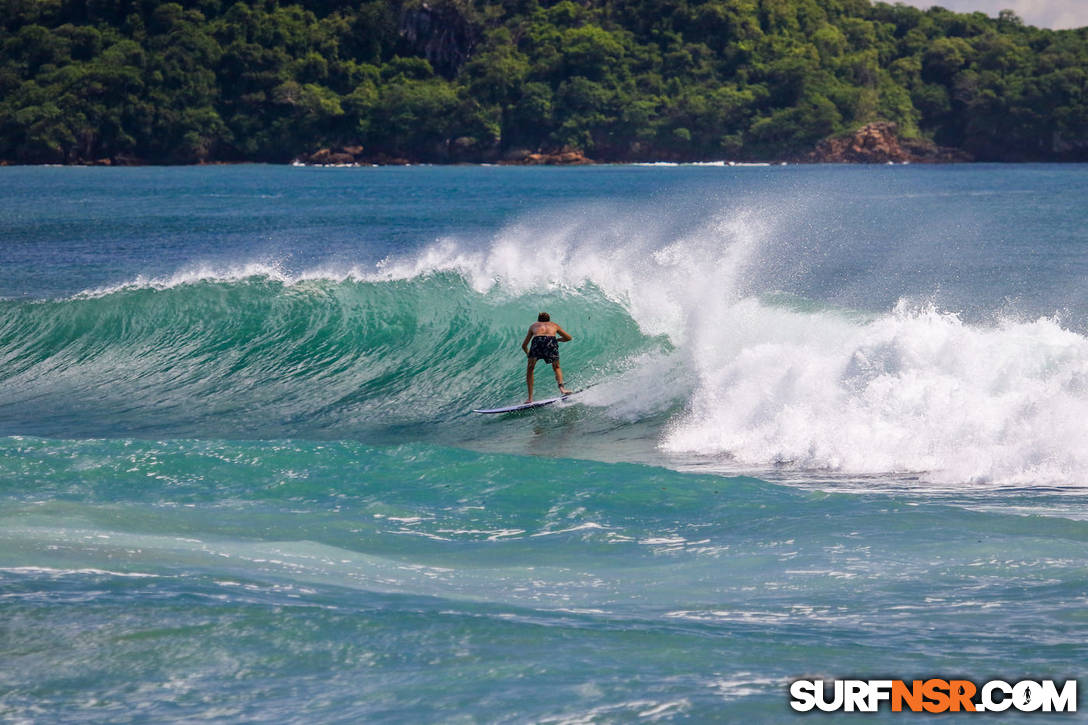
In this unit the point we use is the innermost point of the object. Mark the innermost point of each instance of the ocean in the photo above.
(833, 426)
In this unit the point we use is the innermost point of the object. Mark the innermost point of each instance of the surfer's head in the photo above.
(543, 317)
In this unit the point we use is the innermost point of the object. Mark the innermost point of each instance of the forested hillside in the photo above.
(473, 80)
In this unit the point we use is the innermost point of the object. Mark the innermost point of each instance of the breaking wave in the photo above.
(676, 326)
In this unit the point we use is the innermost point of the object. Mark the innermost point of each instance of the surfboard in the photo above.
(525, 406)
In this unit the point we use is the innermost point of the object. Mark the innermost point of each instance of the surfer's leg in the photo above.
(529, 378)
(559, 377)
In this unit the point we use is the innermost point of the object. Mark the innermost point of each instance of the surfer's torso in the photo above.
(543, 329)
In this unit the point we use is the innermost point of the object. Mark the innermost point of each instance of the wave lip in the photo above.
(254, 271)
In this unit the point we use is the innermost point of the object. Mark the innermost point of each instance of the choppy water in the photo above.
(836, 427)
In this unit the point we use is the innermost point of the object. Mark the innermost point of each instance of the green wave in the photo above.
(261, 356)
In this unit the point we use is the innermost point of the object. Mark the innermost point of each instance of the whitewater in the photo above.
(834, 424)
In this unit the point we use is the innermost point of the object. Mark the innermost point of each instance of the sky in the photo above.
(1043, 13)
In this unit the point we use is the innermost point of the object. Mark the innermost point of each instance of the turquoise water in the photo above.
(833, 427)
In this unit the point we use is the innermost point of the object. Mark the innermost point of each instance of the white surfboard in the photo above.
(524, 406)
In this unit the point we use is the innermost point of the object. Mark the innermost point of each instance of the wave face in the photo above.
(689, 330)
(261, 356)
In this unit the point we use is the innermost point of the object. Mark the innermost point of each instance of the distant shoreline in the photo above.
(485, 164)
(874, 143)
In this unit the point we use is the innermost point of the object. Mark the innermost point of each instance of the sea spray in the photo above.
(915, 390)
(912, 390)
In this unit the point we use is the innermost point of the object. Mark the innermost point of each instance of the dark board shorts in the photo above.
(544, 348)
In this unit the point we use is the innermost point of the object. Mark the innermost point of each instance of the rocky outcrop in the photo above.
(344, 156)
(566, 157)
(879, 143)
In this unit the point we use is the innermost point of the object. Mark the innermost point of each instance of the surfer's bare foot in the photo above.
(529, 400)
(563, 390)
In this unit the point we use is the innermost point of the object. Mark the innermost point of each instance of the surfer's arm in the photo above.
(563, 336)
(525, 342)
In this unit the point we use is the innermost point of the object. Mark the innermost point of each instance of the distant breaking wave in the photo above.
(675, 325)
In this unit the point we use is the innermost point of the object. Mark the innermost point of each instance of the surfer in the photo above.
(542, 343)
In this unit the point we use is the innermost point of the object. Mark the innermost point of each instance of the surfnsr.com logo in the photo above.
(933, 695)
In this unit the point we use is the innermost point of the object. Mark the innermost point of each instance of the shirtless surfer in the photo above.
(542, 343)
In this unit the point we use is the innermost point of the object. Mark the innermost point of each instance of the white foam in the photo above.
(53, 571)
(913, 390)
(664, 280)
